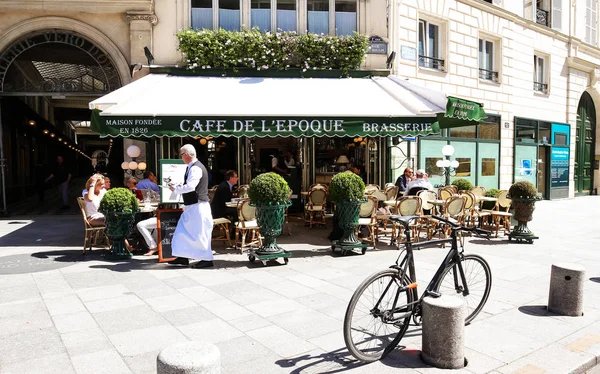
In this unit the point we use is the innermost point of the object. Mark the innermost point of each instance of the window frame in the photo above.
(438, 61)
(541, 83)
(591, 22)
(486, 73)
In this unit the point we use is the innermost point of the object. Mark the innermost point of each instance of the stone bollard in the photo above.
(189, 358)
(444, 332)
(566, 289)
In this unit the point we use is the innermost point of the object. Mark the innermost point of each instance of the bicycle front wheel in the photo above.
(378, 315)
(478, 277)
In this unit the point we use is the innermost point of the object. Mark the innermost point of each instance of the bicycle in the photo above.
(394, 299)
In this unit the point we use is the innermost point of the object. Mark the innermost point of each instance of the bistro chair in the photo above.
(318, 185)
(286, 221)
(388, 185)
(242, 191)
(453, 211)
(246, 225)
(501, 213)
(478, 191)
(445, 192)
(315, 208)
(406, 206)
(370, 188)
(211, 193)
(472, 213)
(92, 233)
(222, 224)
(427, 208)
(368, 218)
(391, 192)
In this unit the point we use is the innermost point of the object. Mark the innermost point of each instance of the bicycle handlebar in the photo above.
(479, 232)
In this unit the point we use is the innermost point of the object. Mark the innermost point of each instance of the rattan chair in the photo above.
(246, 225)
(315, 207)
(454, 209)
(222, 224)
(391, 192)
(406, 206)
(478, 191)
(445, 192)
(501, 213)
(425, 223)
(91, 232)
(242, 191)
(368, 218)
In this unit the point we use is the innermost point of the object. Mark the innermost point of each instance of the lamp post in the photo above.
(448, 167)
(133, 168)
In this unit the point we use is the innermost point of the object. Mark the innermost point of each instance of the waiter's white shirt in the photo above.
(193, 178)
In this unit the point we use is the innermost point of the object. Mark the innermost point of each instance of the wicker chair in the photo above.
(246, 224)
(478, 191)
(222, 224)
(425, 223)
(242, 191)
(406, 206)
(501, 213)
(453, 209)
(91, 232)
(368, 218)
(315, 208)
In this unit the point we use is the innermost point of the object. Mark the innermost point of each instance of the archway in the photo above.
(584, 146)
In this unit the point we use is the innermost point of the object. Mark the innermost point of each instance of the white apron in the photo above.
(192, 237)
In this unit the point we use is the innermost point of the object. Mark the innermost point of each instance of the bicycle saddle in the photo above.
(404, 220)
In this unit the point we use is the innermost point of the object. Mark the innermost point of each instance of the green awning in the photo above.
(461, 112)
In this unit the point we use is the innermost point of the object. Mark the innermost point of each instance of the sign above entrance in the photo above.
(461, 112)
(260, 126)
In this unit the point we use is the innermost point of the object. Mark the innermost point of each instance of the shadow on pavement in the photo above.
(336, 361)
(595, 279)
(66, 231)
(536, 310)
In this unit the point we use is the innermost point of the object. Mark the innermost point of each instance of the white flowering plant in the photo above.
(252, 49)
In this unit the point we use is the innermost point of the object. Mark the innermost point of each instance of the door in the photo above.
(543, 176)
(584, 146)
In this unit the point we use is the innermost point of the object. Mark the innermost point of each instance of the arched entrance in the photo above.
(584, 146)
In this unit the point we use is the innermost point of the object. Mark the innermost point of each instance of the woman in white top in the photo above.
(95, 192)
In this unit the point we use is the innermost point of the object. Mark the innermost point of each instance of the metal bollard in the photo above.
(443, 324)
(189, 358)
(566, 289)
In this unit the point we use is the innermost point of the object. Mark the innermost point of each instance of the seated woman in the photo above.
(95, 192)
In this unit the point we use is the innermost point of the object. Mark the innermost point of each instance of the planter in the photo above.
(523, 213)
(347, 213)
(270, 219)
(118, 226)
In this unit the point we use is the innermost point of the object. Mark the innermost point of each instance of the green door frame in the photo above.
(584, 145)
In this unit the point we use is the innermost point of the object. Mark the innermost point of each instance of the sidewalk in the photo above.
(61, 312)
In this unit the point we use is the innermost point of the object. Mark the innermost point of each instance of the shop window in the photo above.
(202, 15)
(430, 55)
(490, 129)
(540, 83)
(229, 14)
(345, 17)
(487, 63)
(464, 167)
(260, 14)
(464, 132)
(560, 138)
(525, 131)
(544, 132)
(488, 167)
(591, 22)
(286, 15)
(318, 16)
(430, 165)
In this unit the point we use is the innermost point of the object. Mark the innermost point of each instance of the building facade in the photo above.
(535, 67)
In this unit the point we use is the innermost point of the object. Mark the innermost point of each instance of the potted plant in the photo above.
(523, 195)
(119, 206)
(270, 194)
(347, 191)
(462, 184)
(492, 192)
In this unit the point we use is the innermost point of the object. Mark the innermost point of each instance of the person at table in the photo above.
(288, 160)
(148, 230)
(95, 193)
(403, 180)
(278, 165)
(131, 183)
(222, 196)
(192, 237)
(421, 183)
(149, 182)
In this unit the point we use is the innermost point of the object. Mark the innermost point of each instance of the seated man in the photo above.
(223, 195)
(149, 182)
(421, 183)
(131, 183)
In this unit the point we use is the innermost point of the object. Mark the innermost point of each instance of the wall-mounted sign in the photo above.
(408, 53)
(377, 45)
(559, 166)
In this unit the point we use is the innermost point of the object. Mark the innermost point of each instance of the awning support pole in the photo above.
(2, 166)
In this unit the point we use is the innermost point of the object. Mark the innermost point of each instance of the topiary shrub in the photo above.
(522, 190)
(462, 184)
(269, 189)
(492, 192)
(119, 200)
(346, 186)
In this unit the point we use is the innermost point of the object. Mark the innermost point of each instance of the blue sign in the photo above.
(559, 166)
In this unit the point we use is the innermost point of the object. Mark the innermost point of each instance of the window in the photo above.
(286, 15)
(556, 18)
(260, 14)
(318, 16)
(525, 130)
(229, 14)
(486, 61)
(488, 130)
(591, 21)
(345, 17)
(202, 17)
(541, 12)
(488, 167)
(429, 46)
(539, 74)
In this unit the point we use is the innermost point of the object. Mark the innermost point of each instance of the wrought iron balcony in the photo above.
(488, 75)
(430, 62)
(541, 17)
(540, 87)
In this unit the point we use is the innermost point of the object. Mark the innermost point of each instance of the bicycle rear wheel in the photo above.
(369, 332)
(479, 281)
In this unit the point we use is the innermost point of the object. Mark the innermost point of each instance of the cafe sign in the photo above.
(261, 126)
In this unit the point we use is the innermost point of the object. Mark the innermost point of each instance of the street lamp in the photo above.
(133, 168)
(448, 167)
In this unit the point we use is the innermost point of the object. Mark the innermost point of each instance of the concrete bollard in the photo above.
(444, 332)
(566, 289)
(189, 358)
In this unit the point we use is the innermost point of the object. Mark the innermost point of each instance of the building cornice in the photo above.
(141, 16)
(106, 6)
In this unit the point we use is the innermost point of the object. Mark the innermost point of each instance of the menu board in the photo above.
(166, 223)
(171, 173)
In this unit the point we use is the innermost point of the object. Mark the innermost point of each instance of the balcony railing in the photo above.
(430, 62)
(540, 87)
(488, 75)
(541, 17)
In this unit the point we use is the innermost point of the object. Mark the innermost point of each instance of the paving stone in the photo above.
(25, 322)
(137, 317)
(59, 363)
(90, 279)
(554, 358)
(200, 294)
(19, 308)
(28, 292)
(25, 345)
(103, 362)
(103, 292)
(187, 316)
(296, 322)
(86, 341)
(114, 303)
(248, 323)
(144, 363)
(239, 350)
(280, 341)
(275, 307)
(244, 292)
(135, 342)
(170, 302)
(74, 322)
(211, 277)
(181, 282)
(226, 309)
(64, 304)
(50, 282)
(318, 301)
(332, 342)
(211, 331)
(290, 289)
(264, 364)
(16, 280)
(150, 291)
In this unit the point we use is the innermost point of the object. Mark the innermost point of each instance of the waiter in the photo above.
(192, 237)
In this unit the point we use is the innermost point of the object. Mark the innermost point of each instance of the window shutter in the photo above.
(556, 14)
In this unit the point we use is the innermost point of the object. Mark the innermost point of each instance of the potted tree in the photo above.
(119, 206)
(270, 194)
(347, 191)
(462, 184)
(523, 195)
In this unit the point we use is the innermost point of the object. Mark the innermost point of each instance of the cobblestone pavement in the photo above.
(62, 312)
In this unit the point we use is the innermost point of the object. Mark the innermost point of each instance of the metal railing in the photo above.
(488, 75)
(430, 62)
(541, 17)
(540, 87)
